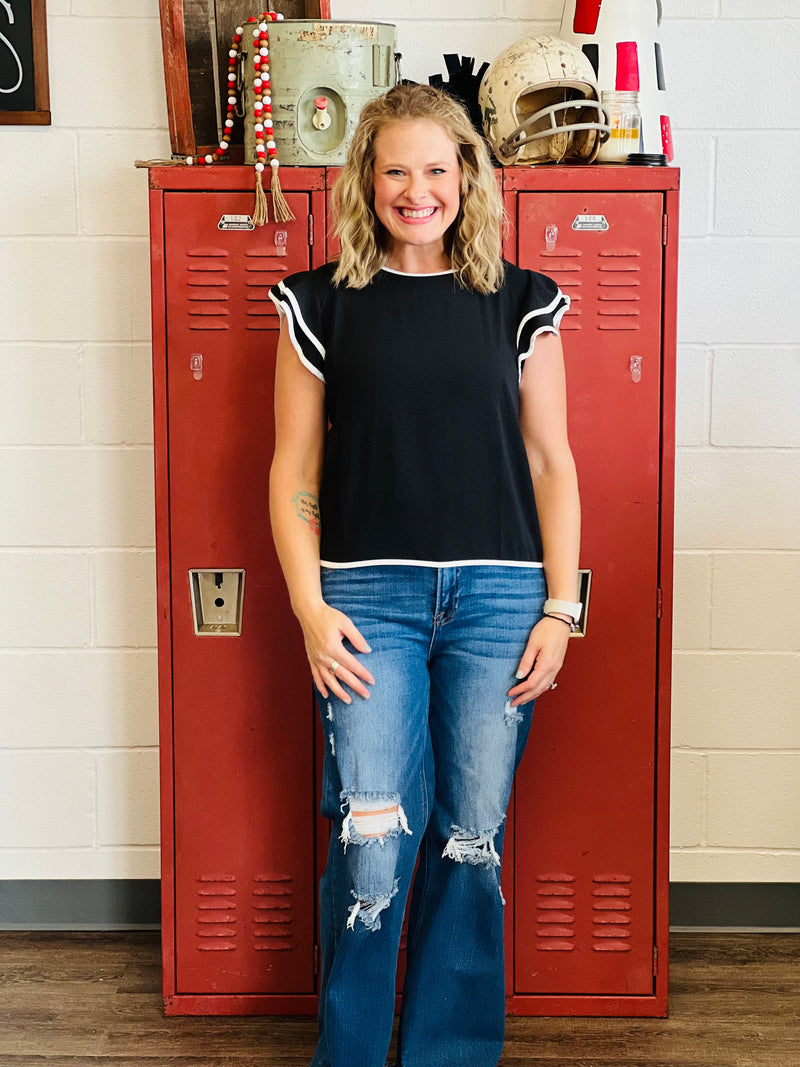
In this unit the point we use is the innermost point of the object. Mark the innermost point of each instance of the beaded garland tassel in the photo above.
(266, 149)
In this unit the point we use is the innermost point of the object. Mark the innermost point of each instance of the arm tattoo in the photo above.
(308, 509)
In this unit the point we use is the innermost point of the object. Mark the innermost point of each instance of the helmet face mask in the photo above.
(555, 130)
(540, 103)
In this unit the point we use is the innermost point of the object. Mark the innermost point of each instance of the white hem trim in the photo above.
(542, 329)
(409, 274)
(302, 322)
(284, 315)
(429, 563)
(544, 311)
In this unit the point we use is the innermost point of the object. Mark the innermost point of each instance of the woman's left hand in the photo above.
(541, 661)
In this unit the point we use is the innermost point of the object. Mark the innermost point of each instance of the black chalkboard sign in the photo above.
(24, 92)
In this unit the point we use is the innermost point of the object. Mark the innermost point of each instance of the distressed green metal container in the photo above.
(347, 63)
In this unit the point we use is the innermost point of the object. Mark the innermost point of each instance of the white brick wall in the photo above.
(79, 729)
(78, 757)
(736, 676)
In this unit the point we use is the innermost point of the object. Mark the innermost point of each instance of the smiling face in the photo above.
(417, 181)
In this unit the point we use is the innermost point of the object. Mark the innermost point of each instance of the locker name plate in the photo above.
(236, 222)
(590, 222)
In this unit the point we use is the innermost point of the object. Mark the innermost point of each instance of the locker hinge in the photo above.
(316, 959)
(664, 228)
(659, 602)
(655, 960)
(311, 229)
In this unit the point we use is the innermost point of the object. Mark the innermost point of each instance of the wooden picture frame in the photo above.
(30, 18)
(194, 63)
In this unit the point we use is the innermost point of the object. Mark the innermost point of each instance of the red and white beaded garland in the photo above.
(266, 147)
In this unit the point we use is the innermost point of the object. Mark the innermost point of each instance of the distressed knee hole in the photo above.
(372, 819)
(369, 910)
(472, 846)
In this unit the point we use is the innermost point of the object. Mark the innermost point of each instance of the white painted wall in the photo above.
(78, 736)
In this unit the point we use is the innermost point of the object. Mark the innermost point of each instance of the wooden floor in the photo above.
(68, 999)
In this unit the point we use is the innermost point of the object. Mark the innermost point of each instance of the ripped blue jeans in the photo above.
(423, 768)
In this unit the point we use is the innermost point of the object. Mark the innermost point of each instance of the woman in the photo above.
(411, 435)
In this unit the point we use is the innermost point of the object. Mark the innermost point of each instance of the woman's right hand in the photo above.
(324, 631)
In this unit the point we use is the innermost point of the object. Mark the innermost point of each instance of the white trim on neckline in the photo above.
(410, 274)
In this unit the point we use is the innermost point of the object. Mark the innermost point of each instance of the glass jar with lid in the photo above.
(625, 120)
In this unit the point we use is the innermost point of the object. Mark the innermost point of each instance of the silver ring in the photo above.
(554, 685)
(335, 665)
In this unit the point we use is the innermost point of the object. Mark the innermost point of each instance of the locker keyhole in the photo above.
(219, 578)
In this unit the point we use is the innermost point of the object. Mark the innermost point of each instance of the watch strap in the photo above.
(565, 607)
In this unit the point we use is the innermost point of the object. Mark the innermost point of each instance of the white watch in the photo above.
(563, 607)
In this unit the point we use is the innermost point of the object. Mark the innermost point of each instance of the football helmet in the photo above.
(540, 103)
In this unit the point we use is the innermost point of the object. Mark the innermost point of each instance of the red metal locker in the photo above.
(239, 874)
(590, 865)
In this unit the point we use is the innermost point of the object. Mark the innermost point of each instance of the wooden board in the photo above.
(196, 36)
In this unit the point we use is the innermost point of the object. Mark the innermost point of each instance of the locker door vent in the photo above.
(611, 908)
(567, 276)
(206, 288)
(618, 284)
(555, 913)
(264, 268)
(272, 913)
(204, 253)
(216, 913)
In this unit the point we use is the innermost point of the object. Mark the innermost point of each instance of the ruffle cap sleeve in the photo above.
(300, 300)
(541, 310)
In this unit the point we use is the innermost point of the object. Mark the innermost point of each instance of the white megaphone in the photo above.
(597, 27)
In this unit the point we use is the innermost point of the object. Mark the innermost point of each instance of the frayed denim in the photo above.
(423, 769)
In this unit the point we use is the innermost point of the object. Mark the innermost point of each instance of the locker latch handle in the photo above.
(196, 365)
(550, 237)
(636, 368)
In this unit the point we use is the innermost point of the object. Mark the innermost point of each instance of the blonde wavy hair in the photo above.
(474, 241)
